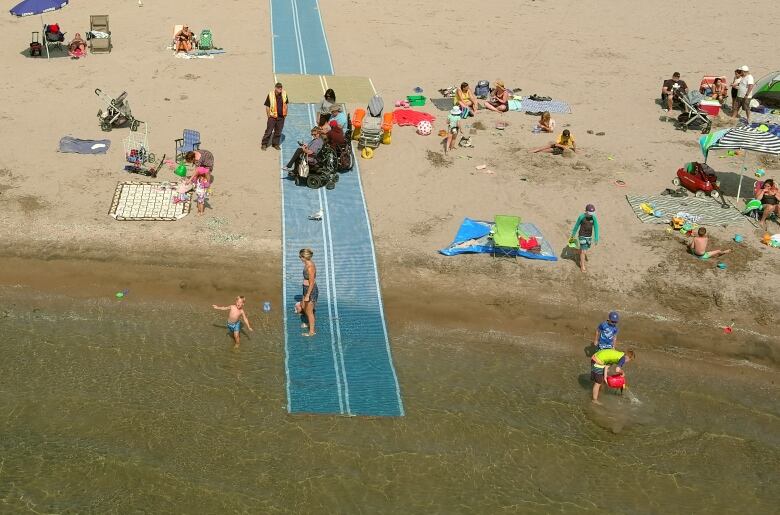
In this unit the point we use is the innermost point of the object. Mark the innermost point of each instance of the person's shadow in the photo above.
(570, 254)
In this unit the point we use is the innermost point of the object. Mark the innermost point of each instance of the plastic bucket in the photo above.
(616, 381)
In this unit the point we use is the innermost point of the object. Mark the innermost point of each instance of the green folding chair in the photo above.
(505, 240)
(205, 40)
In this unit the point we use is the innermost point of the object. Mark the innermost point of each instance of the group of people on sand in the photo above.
(305, 307)
(741, 91)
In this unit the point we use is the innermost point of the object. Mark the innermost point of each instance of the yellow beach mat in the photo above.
(308, 89)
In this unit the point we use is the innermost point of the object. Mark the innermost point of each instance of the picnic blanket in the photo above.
(404, 117)
(704, 211)
(147, 201)
(443, 104)
(69, 144)
(473, 237)
(552, 106)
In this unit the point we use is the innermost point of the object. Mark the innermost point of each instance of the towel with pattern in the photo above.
(552, 106)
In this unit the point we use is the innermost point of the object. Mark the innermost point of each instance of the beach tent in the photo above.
(767, 89)
(31, 7)
(741, 138)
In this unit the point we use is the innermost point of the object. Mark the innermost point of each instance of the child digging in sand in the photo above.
(698, 246)
(235, 316)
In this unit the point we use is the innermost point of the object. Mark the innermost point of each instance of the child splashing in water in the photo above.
(235, 316)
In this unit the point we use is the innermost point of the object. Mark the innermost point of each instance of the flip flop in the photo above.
(307, 335)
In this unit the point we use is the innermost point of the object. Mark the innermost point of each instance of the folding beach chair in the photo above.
(505, 240)
(53, 36)
(98, 23)
(189, 141)
(206, 40)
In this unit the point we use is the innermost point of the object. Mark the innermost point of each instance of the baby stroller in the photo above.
(117, 112)
(324, 172)
(137, 150)
(692, 117)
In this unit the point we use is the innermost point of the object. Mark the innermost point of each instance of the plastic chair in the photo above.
(189, 142)
(99, 23)
(206, 40)
(505, 235)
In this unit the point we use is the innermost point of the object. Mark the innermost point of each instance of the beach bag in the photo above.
(482, 90)
(35, 49)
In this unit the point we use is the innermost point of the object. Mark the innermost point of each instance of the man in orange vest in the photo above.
(276, 109)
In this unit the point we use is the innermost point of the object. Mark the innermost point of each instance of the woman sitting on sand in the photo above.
(565, 141)
(546, 123)
(466, 99)
(499, 98)
(719, 90)
(769, 195)
(77, 47)
(184, 40)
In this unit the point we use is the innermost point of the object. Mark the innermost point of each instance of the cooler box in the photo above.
(711, 107)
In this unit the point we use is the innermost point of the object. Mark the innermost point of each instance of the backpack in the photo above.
(482, 90)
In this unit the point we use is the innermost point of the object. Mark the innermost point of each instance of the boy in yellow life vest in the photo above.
(276, 109)
(600, 363)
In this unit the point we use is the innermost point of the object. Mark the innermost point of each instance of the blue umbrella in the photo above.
(32, 7)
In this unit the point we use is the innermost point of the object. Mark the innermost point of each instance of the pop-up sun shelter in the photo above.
(767, 89)
(740, 138)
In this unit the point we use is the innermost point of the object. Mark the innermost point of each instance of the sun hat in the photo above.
(590, 208)
(500, 83)
(614, 317)
(456, 110)
(745, 68)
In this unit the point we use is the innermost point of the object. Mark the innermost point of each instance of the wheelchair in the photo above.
(323, 173)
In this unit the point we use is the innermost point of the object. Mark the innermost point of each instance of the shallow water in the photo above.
(110, 405)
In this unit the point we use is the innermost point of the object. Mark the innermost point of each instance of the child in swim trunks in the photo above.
(698, 246)
(236, 315)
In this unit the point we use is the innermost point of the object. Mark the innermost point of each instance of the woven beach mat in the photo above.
(147, 201)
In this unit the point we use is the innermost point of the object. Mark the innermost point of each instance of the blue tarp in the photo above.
(473, 238)
(31, 7)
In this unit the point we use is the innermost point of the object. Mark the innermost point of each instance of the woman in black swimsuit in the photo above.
(735, 86)
(768, 195)
(310, 290)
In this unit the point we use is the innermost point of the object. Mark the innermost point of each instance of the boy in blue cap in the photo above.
(606, 332)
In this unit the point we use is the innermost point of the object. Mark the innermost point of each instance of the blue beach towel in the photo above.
(473, 237)
(69, 144)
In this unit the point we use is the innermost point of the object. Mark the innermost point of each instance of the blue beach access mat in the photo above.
(473, 237)
(347, 368)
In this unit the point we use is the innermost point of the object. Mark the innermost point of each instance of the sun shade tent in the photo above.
(32, 7)
(740, 138)
(767, 89)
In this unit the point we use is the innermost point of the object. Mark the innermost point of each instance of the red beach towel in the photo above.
(411, 117)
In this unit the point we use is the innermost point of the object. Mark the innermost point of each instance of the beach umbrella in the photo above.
(768, 88)
(32, 7)
(741, 138)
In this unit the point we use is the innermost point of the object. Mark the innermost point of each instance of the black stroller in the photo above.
(117, 112)
(692, 117)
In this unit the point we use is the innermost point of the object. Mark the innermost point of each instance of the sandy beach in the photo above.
(597, 60)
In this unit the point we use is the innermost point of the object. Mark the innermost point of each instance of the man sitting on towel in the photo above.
(668, 88)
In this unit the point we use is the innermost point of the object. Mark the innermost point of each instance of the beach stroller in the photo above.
(117, 112)
(692, 117)
(137, 149)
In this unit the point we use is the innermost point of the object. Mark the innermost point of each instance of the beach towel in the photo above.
(706, 211)
(473, 237)
(69, 144)
(404, 117)
(515, 104)
(773, 128)
(552, 106)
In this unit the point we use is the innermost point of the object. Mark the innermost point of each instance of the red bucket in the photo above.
(616, 381)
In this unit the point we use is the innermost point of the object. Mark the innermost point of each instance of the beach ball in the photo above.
(424, 128)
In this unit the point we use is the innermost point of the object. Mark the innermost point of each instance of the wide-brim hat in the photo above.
(456, 110)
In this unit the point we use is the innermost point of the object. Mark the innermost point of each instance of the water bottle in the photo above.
(266, 306)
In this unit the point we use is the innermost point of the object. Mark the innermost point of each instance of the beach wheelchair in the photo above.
(117, 112)
(372, 127)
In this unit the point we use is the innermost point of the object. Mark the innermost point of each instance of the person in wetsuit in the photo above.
(586, 230)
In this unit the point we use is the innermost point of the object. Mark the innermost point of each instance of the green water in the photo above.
(110, 406)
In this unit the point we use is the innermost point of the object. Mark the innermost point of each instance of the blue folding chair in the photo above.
(189, 141)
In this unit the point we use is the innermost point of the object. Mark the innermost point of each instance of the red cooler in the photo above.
(711, 107)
